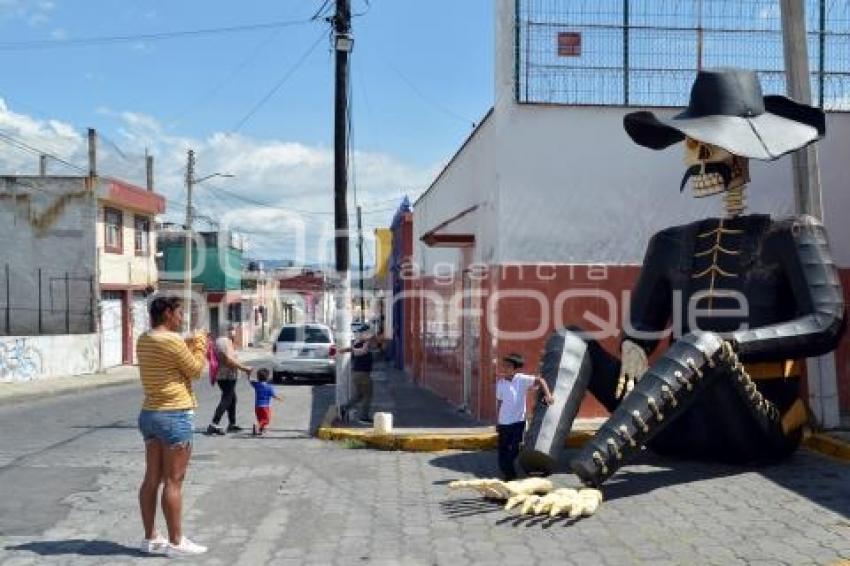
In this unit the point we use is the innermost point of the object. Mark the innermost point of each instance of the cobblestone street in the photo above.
(70, 467)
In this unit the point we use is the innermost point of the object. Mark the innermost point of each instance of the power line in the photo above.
(203, 99)
(158, 36)
(235, 196)
(23, 145)
(439, 106)
(279, 84)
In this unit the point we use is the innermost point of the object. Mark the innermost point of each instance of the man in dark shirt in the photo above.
(361, 377)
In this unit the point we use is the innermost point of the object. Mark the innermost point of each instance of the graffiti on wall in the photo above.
(19, 360)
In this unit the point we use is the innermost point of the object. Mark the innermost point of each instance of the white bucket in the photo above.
(382, 423)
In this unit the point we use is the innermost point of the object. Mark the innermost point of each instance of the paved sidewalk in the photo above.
(19, 391)
(423, 421)
(414, 406)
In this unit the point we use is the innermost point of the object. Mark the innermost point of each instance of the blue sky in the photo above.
(421, 74)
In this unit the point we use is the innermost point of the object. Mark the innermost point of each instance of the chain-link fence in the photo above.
(40, 300)
(646, 52)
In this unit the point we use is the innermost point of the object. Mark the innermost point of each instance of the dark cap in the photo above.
(516, 359)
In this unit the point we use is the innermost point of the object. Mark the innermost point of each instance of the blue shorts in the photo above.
(171, 427)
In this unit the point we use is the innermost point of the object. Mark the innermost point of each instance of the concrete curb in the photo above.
(11, 393)
(421, 440)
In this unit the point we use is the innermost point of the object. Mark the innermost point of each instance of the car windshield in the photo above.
(308, 334)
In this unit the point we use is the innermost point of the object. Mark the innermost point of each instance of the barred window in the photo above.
(113, 224)
(142, 235)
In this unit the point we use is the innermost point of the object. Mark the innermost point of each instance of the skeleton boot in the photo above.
(566, 368)
(665, 392)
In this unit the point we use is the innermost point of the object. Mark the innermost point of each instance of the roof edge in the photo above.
(455, 156)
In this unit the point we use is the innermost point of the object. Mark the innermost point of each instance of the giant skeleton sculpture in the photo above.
(757, 294)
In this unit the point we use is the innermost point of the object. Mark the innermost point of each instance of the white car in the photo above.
(304, 350)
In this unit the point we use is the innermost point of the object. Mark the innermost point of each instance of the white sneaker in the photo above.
(185, 548)
(155, 545)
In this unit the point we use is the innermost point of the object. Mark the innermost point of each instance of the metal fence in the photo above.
(646, 52)
(41, 301)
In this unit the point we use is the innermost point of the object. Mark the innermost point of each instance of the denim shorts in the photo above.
(171, 427)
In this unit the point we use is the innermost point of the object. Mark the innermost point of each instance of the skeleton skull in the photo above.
(706, 163)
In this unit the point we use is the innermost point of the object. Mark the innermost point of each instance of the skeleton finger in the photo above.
(528, 505)
(545, 504)
(515, 500)
(589, 501)
(621, 384)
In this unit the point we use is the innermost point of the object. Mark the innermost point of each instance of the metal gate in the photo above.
(111, 329)
(141, 320)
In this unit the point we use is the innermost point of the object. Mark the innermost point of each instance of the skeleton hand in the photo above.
(574, 503)
(498, 489)
(633, 364)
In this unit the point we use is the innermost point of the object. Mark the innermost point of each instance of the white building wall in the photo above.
(126, 268)
(467, 181)
(566, 184)
(28, 358)
(46, 223)
(573, 187)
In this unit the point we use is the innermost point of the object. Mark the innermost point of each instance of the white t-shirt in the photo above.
(512, 393)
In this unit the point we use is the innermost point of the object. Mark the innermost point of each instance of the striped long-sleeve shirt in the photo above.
(168, 365)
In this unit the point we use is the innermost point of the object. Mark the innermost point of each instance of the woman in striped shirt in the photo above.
(167, 364)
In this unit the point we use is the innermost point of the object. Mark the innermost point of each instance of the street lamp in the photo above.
(344, 42)
(187, 256)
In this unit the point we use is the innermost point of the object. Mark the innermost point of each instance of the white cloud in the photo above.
(288, 175)
(142, 47)
(35, 13)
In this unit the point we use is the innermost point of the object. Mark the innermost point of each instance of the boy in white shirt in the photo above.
(511, 393)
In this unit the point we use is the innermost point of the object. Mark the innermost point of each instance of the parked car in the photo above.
(304, 350)
(357, 327)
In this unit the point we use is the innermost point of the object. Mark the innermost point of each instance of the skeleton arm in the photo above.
(633, 364)
(648, 313)
(498, 489)
(651, 305)
(802, 246)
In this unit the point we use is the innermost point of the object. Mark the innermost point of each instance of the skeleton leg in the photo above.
(665, 392)
(567, 365)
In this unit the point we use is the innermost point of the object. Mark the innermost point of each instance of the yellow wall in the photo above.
(383, 248)
(126, 268)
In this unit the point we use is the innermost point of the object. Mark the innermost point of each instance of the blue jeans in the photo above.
(173, 428)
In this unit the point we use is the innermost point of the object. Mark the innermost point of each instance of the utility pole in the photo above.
(187, 253)
(821, 371)
(92, 153)
(807, 192)
(149, 171)
(360, 251)
(343, 43)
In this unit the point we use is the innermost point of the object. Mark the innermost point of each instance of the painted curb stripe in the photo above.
(423, 442)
